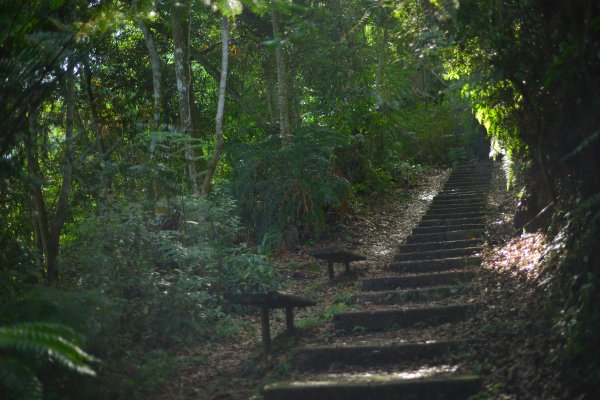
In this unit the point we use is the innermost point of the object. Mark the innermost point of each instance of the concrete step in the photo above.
(446, 236)
(460, 197)
(470, 175)
(477, 169)
(438, 254)
(454, 214)
(423, 295)
(452, 221)
(336, 356)
(462, 193)
(442, 264)
(457, 181)
(450, 209)
(416, 281)
(450, 188)
(481, 179)
(376, 387)
(440, 208)
(452, 244)
(448, 197)
(456, 202)
(445, 228)
(398, 318)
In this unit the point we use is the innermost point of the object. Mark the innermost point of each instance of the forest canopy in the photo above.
(155, 154)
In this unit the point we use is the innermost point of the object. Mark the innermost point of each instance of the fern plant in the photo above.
(43, 340)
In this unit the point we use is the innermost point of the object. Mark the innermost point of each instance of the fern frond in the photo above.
(58, 342)
(18, 382)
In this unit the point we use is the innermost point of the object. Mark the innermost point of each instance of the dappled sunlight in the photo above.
(519, 256)
(420, 373)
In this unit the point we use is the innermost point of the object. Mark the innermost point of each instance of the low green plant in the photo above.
(24, 345)
(288, 192)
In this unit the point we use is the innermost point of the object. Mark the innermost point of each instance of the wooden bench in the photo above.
(336, 254)
(272, 300)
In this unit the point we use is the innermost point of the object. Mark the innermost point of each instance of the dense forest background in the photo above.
(155, 154)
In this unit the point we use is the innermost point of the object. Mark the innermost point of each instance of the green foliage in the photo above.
(578, 293)
(167, 284)
(50, 342)
(530, 73)
(288, 191)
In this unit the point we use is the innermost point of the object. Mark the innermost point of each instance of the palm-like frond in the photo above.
(55, 341)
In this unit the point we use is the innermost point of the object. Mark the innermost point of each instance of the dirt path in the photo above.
(511, 361)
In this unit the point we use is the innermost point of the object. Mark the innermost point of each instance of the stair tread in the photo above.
(426, 383)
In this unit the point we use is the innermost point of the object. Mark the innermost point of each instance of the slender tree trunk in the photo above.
(270, 89)
(62, 208)
(49, 233)
(156, 74)
(220, 107)
(39, 215)
(284, 119)
(381, 61)
(181, 29)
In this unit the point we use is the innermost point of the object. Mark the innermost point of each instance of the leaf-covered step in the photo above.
(440, 208)
(462, 192)
(452, 244)
(475, 184)
(451, 222)
(438, 254)
(383, 320)
(467, 178)
(326, 357)
(454, 197)
(445, 228)
(460, 201)
(376, 387)
(482, 177)
(446, 236)
(433, 265)
(416, 281)
(454, 214)
(422, 295)
(475, 169)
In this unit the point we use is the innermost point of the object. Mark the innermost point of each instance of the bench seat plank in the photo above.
(272, 300)
(269, 300)
(336, 254)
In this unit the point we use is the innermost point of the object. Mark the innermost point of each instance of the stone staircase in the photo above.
(390, 348)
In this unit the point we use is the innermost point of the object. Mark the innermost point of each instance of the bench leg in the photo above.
(347, 267)
(330, 271)
(266, 331)
(289, 320)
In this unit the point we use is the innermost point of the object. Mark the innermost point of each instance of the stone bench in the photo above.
(272, 300)
(336, 254)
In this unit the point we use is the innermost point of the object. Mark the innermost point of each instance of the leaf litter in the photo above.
(512, 344)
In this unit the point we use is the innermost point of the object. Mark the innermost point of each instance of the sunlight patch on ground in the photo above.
(519, 256)
(421, 373)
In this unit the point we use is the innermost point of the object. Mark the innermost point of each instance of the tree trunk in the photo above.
(39, 215)
(270, 89)
(181, 30)
(220, 107)
(62, 208)
(381, 61)
(284, 120)
(49, 234)
(156, 74)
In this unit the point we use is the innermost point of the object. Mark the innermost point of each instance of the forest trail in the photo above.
(389, 348)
